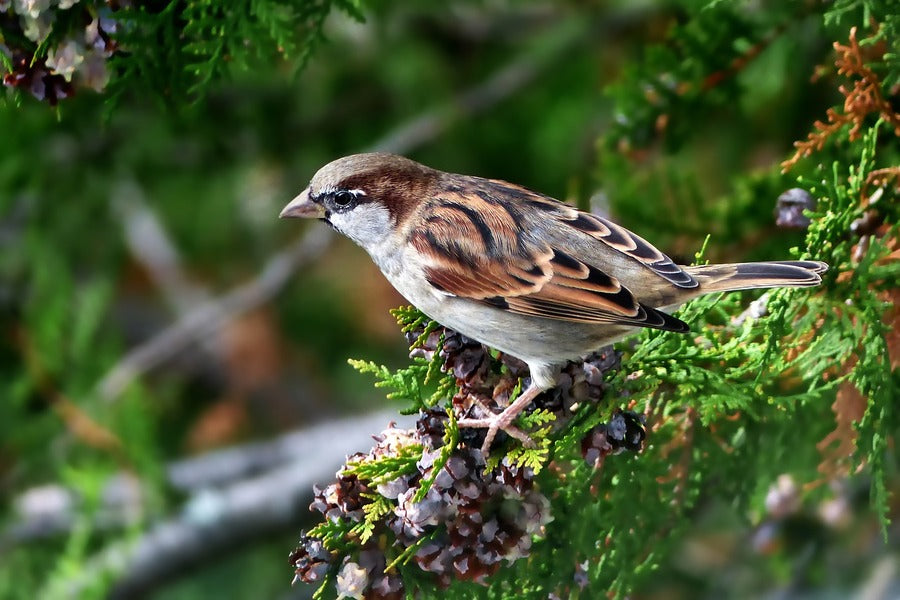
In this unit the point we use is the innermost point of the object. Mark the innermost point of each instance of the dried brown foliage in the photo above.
(839, 445)
(860, 101)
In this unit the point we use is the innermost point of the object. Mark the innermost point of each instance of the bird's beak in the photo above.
(302, 206)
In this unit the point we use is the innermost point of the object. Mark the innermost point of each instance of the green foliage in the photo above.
(375, 512)
(451, 439)
(538, 424)
(421, 384)
(386, 468)
(702, 120)
(748, 396)
(219, 38)
(172, 50)
(674, 85)
(846, 13)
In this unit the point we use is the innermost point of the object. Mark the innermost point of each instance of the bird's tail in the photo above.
(748, 276)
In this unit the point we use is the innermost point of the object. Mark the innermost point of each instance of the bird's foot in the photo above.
(503, 421)
(496, 423)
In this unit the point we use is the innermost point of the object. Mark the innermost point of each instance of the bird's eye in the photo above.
(344, 199)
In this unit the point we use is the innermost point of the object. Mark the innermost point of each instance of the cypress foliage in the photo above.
(800, 384)
(774, 405)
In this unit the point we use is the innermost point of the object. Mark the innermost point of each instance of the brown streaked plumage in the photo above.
(514, 269)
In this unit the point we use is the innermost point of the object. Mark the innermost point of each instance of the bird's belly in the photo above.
(532, 339)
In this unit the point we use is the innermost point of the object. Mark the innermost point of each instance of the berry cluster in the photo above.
(472, 518)
(486, 383)
(625, 431)
(467, 524)
(79, 59)
(790, 206)
(480, 519)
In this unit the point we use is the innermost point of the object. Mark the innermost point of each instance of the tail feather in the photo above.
(748, 276)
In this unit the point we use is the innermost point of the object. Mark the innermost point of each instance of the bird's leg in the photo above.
(504, 421)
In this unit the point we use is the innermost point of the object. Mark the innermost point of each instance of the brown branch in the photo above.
(880, 178)
(500, 85)
(740, 62)
(151, 246)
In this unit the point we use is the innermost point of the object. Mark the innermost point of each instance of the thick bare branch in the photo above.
(218, 518)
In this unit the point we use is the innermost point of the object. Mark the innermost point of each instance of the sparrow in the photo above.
(514, 269)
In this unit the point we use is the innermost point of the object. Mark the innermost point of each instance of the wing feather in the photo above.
(635, 246)
(476, 247)
(617, 237)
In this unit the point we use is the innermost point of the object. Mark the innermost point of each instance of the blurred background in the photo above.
(166, 337)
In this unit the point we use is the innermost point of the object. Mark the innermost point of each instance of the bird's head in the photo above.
(364, 196)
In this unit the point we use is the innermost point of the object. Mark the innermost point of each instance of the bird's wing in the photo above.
(615, 236)
(475, 246)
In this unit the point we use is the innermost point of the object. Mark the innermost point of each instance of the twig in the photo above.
(77, 421)
(210, 317)
(865, 98)
(48, 510)
(150, 245)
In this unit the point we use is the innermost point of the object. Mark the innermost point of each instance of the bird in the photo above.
(514, 269)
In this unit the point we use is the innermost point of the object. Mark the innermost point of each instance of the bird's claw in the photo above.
(504, 421)
(495, 423)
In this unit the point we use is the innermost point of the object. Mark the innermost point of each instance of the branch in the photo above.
(216, 520)
(151, 246)
(46, 511)
(209, 318)
(865, 98)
